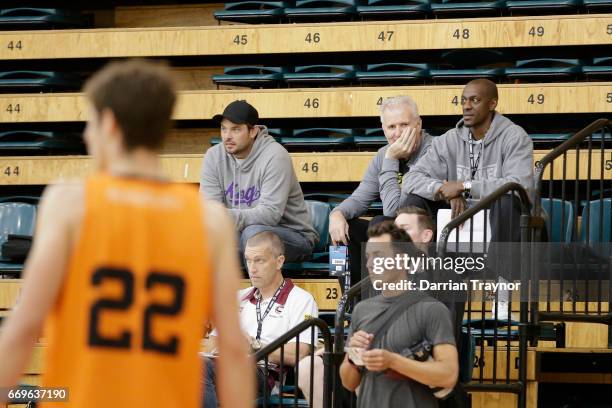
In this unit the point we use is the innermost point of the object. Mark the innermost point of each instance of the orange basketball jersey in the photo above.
(127, 326)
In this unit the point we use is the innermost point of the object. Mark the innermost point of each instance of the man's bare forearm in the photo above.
(432, 373)
(350, 375)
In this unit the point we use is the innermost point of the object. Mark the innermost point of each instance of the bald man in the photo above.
(484, 151)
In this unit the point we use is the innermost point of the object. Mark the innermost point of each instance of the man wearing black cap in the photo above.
(253, 176)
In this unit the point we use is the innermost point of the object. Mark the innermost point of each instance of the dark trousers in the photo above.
(504, 217)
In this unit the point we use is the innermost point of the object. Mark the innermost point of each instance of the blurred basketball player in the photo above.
(128, 267)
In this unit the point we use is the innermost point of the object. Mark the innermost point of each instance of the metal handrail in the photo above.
(573, 141)
(294, 332)
(280, 343)
(341, 312)
(485, 203)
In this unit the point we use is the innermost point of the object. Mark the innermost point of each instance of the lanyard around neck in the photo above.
(261, 318)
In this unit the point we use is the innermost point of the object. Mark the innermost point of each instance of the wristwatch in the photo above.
(467, 186)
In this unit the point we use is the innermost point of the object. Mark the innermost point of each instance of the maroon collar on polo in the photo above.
(282, 296)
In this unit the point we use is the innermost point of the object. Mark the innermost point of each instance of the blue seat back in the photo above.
(560, 219)
(319, 215)
(16, 218)
(597, 216)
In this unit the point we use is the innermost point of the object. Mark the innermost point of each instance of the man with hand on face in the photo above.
(401, 124)
(483, 152)
(253, 176)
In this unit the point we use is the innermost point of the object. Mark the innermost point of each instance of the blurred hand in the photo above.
(338, 228)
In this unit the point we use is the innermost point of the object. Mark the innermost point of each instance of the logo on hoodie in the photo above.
(235, 196)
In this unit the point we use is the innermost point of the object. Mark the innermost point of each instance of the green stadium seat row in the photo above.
(538, 69)
(436, 34)
(29, 18)
(30, 142)
(313, 139)
(251, 12)
(39, 81)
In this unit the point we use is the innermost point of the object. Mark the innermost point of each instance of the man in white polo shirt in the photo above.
(268, 309)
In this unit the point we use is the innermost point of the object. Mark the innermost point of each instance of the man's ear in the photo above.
(108, 122)
(280, 261)
(493, 104)
(427, 235)
(253, 132)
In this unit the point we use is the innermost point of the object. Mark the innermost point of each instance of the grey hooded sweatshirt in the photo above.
(381, 180)
(263, 189)
(506, 155)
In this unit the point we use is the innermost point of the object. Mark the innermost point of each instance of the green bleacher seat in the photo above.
(560, 218)
(26, 18)
(551, 69)
(252, 12)
(464, 75)
(274, 132)
(318, 143)
(599, 69)
(40, 143)
(394, 9)
(275, 401)
(15, 218)
(598, 6)
(20, 199)
(313, 75)
(334, 200)
(38, 81)
(463, 65)
(251, 76)
(458, 8)
(313, 138)
(531, 7)
(322, 10)
(597, 218)
(394, 72)
(484, 329)
(370, 141)
(555, 138)
(319, 215)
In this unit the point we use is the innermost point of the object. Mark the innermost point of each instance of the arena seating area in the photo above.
(317, 71)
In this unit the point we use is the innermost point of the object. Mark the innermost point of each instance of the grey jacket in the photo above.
(380, 180)
(506, 156)
(262, 190)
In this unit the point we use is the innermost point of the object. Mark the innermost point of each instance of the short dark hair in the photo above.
(423, 217)
(269, 238)
(399, 237)
(388, 227)
(141, 95)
